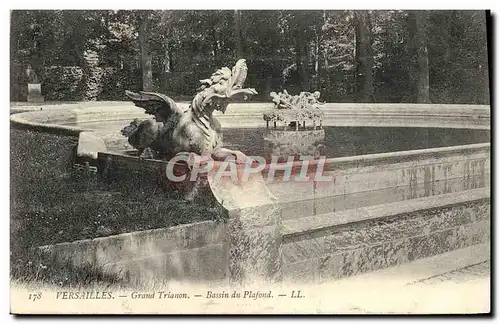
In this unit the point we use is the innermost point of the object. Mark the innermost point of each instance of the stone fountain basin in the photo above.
(105, 119)
(401, 205)
(77, 117)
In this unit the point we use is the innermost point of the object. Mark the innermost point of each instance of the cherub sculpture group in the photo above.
(283, 100)
(295, 110)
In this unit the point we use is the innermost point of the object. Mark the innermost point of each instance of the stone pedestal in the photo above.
(254, 228)
(35, 92)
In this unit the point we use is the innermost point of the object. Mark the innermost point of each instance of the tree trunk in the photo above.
(447, 30)
(167, 61)
(302, 57)
(364, 57)
(216, 36)
(244, 32)
(325, 49)
(420, 46)
(146, 62)
(237, 35)
(166, 21)
(316, 61)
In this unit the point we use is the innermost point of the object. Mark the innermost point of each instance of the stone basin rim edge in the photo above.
(349, 159)
(289, 233)
(460, 112)
(373, 212)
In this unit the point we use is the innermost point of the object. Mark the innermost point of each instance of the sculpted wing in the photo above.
(239, 74)
(159, 105)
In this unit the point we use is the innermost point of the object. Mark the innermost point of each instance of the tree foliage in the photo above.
(350, 56)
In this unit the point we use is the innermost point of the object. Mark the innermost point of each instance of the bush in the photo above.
(115, 81)
(63, 83)
(18, 87)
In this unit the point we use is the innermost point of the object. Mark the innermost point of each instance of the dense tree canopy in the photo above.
(350, 56)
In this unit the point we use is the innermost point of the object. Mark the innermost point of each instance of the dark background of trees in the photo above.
(350, 56)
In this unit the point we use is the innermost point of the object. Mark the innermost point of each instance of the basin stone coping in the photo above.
(258, 106)
(301, 226)
(131, 160)
(23, 123)
(330, 164)
(357, 161)
(52, 118)
(401, 156)
(133, 236)
(251, 109)
(387, 161)
(306, 225)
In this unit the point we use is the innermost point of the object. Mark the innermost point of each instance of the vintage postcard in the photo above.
(250, 162)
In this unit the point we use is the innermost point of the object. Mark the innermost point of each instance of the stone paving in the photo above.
(477, 271)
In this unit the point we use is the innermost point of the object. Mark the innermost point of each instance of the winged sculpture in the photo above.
(175, 131)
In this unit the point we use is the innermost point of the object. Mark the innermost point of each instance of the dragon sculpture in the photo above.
(194, 131)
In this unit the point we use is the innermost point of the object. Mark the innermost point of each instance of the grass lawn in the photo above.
(51, 203)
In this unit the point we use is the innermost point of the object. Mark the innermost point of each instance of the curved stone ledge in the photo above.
(403, 156)
(64, 116)
(324, 222)
(378, 237)
(356, 114)
(365, 180)
(196, 251)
